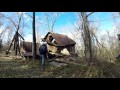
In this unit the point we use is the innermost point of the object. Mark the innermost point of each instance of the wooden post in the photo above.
(16, 42)
(34, 38)
(14, 45)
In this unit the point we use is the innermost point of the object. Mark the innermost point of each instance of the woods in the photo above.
(96, 39)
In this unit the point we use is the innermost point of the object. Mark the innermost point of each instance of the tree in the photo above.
(13, 23)
(2, 31)
(87, 37)
(16, 38)
(50, 20)
(34, 38)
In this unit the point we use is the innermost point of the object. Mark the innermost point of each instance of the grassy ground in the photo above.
(12, 68)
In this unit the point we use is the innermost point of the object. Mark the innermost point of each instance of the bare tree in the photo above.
(17, 27)
(3, 30)
(86, 36)
(50, 20)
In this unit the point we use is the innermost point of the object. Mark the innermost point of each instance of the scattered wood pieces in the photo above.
(58, 64)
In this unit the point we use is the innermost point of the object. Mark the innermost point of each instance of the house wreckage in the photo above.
(57, 44)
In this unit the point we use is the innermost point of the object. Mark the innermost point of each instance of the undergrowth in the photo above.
(31, 69)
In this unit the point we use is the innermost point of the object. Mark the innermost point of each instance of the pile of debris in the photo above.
(58, 64)
(62, 60)
(65, 58)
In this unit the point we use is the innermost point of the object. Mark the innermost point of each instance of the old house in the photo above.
(26, 48)
(59, 43)
(56, 43)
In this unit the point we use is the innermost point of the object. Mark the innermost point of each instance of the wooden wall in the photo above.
(55, 49)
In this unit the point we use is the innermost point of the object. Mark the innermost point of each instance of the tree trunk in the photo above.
(87, 38)
(34, 38)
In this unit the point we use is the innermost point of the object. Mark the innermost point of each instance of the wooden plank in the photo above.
(21, 36)
(64, 61)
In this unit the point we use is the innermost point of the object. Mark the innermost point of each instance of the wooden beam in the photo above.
(11, 44)
(18, 46)
(16, 42)
(21, 36)
(14, 38)
(34, 38)
(89, 14)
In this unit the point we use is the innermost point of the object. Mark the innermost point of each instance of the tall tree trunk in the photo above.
(87, 38)
(34, 38)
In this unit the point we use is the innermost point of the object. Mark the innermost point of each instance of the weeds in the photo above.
(19, 69)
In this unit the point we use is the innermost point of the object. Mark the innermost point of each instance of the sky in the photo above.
(69, 18)
(66, 21)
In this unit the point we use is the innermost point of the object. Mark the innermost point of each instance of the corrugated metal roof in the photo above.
(62, 40)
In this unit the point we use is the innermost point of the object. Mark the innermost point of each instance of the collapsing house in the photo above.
(26, 48)
(59, 43)
(56, 44)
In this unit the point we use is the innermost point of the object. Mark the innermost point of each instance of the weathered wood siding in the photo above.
(52, 48)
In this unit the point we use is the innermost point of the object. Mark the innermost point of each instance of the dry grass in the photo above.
(11, 67)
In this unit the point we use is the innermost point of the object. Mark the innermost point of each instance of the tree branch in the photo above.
(89, 14)
(10, 20)
(53, 23)
(29, 15)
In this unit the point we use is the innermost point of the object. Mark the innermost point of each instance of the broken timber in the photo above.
(15, 41)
